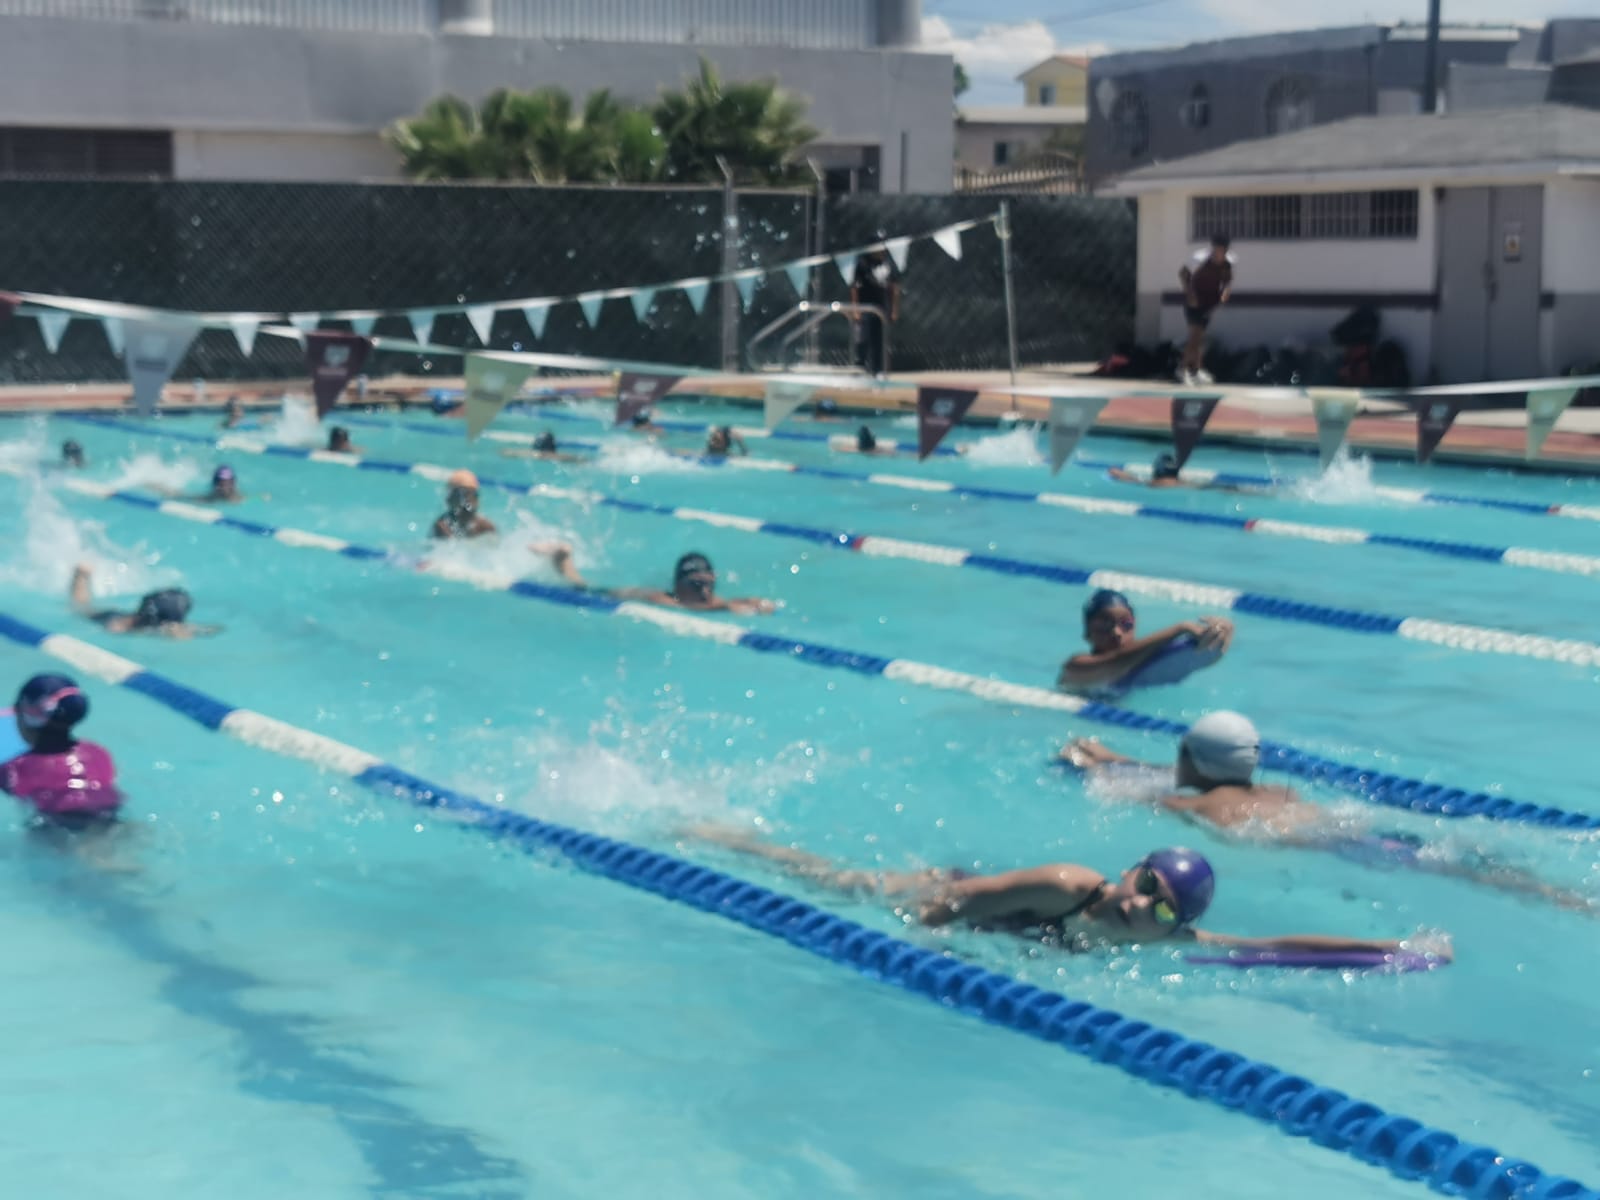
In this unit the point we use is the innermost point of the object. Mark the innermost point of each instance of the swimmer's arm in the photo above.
(483, 525)
(758, 605)
(648, 595)
(1122, 476)
(1087, 670)
(441, 529)
(1297, 941)
(82, 600)
(1042, 892)
(183, 632)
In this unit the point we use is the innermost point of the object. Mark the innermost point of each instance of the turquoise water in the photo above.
(274, 960)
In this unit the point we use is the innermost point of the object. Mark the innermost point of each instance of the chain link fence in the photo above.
(281, 248)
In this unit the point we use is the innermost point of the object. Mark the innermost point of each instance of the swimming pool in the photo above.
(288, 962)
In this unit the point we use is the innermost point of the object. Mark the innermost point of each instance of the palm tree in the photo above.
(445, 141)
(755, 128)
(631, 145)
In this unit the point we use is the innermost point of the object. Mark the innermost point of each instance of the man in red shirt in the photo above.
(1207, 283)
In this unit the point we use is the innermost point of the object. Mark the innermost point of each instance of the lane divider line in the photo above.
(1394, 791)
(1295, 1105)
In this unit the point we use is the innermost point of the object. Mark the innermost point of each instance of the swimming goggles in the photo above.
(1148, 883)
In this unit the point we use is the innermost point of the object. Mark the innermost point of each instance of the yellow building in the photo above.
(1062, 79)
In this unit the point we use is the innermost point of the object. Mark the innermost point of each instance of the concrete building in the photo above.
(999, 137)
(1476, 235)
(237, 89)
(1062, 79)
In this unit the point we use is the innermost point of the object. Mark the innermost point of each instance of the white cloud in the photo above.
(996, 54)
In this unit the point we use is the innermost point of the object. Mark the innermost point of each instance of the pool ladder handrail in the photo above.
(810, 316)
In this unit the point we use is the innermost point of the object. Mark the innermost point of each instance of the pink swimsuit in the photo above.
(80, 780)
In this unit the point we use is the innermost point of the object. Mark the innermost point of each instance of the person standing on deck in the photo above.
(1207, 284)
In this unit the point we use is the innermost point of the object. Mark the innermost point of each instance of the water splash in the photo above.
(157, 473)
(38, 552)
(510, 553)
(30, 449)
(297, 424)
(629, 456)
(1348, 480)
(1017, 447)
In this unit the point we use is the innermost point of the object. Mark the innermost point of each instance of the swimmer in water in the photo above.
(694, 584)
(545, 449)
(339, 442)
(1217, 761)
(1115, 650)
(461, 518)
(826, 409)
(224, 489)
(234, 415)
(72, 455)
(644, 422)
(164, 613)
(1164, 474)
(68, 782)
(1069, 905)
(723, 441)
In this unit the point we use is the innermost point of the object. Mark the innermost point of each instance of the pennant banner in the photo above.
(537, 315)
(154, 348)
(747, 288)
(1070, 419)
(899, 249)
(590, 304)
(481, 317)
(783, 397)
(1189, 417)
(799, 278)
(637, 391)
(363, 324)
(1334, 412)
(1434, 419)
(306, 322)
(244, 332)
(696, 290)
(939, 410)
(51, 326)
(333, 359)
(1544, 410)
(116, 335)
(422, 323)
(491, 383)
(949, 240)
(847, 266)
(9, 303)
(642, 299)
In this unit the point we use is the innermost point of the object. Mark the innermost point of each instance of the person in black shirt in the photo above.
(1207, 283)
(874, 283)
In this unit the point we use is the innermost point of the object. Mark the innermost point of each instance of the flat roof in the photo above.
(1024, 114)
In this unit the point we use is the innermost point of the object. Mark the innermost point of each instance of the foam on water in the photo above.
(27, 450)
(39, 551)
(1348, 480)
(1017, 447)
(297, 424)
(630, 456)
(157, 473)
(509, 553)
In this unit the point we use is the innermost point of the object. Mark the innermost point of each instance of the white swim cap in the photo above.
(1224, 747)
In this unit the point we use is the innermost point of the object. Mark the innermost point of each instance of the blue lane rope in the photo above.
(1405, 1147)
(1394, 791)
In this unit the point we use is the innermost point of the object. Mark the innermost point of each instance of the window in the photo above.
(1196, 110)
(85, 152)
(1002, 153)
(1047, 93)
(1337, 216)
(1130, 124)
(1289, 106)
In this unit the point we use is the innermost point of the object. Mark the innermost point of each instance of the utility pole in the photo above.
(1430, 61)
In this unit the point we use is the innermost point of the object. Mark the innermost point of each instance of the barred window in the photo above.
(1338, 216)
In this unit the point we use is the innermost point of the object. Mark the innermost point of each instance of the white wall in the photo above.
(1571, 236)
(975, 143)
(283, 157)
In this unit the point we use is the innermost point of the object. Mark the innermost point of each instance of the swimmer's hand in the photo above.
(1086, 753)
(1211, 633)
(754, 604)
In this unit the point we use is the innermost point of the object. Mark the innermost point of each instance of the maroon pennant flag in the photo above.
(939, 410)
(637, 392)
(1434, 418)
(9, 303)
(1189, 417)
(334, 358)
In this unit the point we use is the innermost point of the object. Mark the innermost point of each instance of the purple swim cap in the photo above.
(1189, 876)
(222, 475)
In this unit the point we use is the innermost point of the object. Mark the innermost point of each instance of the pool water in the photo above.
(276, 981)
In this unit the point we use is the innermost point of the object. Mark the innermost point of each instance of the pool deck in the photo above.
(1261, 418)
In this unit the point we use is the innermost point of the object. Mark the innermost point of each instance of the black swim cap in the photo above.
(166, 607)
(1165, 467)
(692, 564)
(1103, 599)
(545, 441)
(338, 434)
(51, 700)
(71, 451)
(864, 440)
(641, 418)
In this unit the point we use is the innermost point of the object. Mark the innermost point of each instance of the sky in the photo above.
(995, 39)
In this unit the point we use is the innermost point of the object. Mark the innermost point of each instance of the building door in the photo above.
(1487, 323)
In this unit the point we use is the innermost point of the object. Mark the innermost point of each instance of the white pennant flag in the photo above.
(156, 345)
(482, 319)
(1070, 419)
(491, 383)
(51, 326)
(783, 397)
(847, 266)
(695, 290)
(114, 334)
(590, 303)
(537, 315)
(799, 278)
(949, 240)
(746, 283)
(1544, 410)
(422, 323)
(642, 298)
(1333, 410)
(244, 332)
(898, 248)
(363, 325)
(304, 322)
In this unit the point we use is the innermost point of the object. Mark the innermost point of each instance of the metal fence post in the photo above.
(1004, 230)
(730, 264)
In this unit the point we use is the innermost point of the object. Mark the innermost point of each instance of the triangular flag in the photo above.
(783, 396)
(846, 263)
(244, 332)
(939, 410)
(537, 315)
(949, 240)
(481, 318)
(746, 283)
(491, 383)
(9, 303)
(51, 326)
(363, 325)
(642, 298)
(305, 322)
(115, 334)
(333, 358)
(1070, 419)
(1334, 411)
(590, 303)
(637, 392)
(1544, 410)
(1434, 418)
(422, 323)
(155, 347)
(1189, 417)
(799, 278)
(695, 290)
(898, 249)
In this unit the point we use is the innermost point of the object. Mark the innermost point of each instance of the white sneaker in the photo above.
(1202, 376)
(1186, 377)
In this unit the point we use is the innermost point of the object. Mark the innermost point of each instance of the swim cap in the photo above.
(1224, 747)
(166, 607)
(827, 406)
(71, 451)
(1103, 599)
(51, 700)
(865, 441)
(641, 418)
(1189, 877)
(692, 564)
(545, 441)
(1165, 467)
(463, 479)
(338, 434)
(222, 475)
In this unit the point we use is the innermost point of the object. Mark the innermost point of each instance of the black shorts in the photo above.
(1197, 316)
